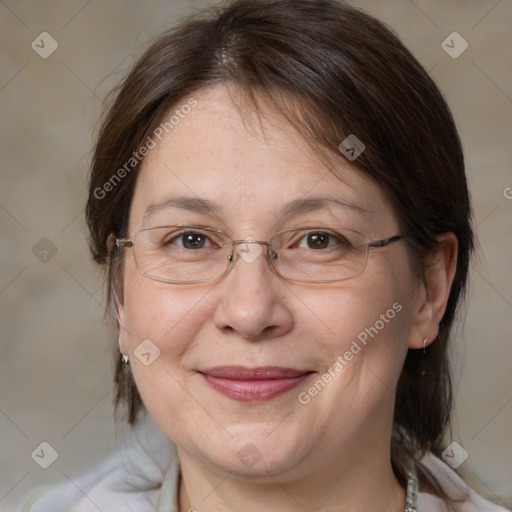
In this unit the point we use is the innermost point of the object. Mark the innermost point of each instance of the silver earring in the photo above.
(125, 359)
(423, 372)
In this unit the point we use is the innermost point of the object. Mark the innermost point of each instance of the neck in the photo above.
(362, 481)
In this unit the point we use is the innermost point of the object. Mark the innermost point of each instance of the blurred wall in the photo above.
(55, 376)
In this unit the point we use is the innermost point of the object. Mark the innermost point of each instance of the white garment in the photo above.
(142, 476)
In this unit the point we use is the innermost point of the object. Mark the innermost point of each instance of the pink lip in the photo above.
(253, 384)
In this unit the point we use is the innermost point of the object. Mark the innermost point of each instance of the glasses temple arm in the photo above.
(385, 241)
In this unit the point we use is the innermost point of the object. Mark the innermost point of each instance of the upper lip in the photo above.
(259, 373)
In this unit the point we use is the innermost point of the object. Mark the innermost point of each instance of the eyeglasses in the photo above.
(190, 254)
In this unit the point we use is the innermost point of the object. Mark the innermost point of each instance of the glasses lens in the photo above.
(319, 254)
(181, 253)
(184, 254)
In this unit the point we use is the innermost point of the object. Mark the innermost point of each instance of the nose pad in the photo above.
(250, 249)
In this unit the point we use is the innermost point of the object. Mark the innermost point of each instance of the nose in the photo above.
(252, 298)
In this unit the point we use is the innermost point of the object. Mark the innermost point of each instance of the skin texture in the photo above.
(329, 454)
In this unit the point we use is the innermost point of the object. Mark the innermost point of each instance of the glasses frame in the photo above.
(126, 243)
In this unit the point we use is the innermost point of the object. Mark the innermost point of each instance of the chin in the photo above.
(251, 452)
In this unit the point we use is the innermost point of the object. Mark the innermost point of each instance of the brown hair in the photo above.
(333, 71)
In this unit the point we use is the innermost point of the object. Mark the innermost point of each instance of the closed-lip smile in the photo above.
(253, 384)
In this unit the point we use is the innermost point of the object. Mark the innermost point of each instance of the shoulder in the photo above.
(129, 479)
(106, 487)
(465, 498)
(32, 498)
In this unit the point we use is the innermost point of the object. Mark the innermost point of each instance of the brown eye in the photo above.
(322, 240)
(193, 240)
(189, 240)
(318, 240)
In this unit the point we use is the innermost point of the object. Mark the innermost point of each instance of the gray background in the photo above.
(55, 375)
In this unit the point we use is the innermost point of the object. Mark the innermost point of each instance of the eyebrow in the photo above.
(193, 204)
(295, 207)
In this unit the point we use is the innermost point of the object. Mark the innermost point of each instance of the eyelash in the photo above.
(185, 233)
(336, 237)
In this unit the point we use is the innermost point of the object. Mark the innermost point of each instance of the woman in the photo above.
(278, 196)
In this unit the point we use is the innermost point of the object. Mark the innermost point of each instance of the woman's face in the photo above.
(345, 341)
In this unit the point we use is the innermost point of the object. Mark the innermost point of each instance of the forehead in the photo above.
(251, 167)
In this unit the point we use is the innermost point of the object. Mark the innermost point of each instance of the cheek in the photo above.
(350, 309)
(154, 310)
(162, 321)
(368, 323)
(358, 379)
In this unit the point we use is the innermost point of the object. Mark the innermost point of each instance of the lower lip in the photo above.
(253, 390)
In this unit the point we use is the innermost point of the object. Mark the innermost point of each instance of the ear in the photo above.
(118, 306)
(123, 335)
(434, 291)
(119, 312)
